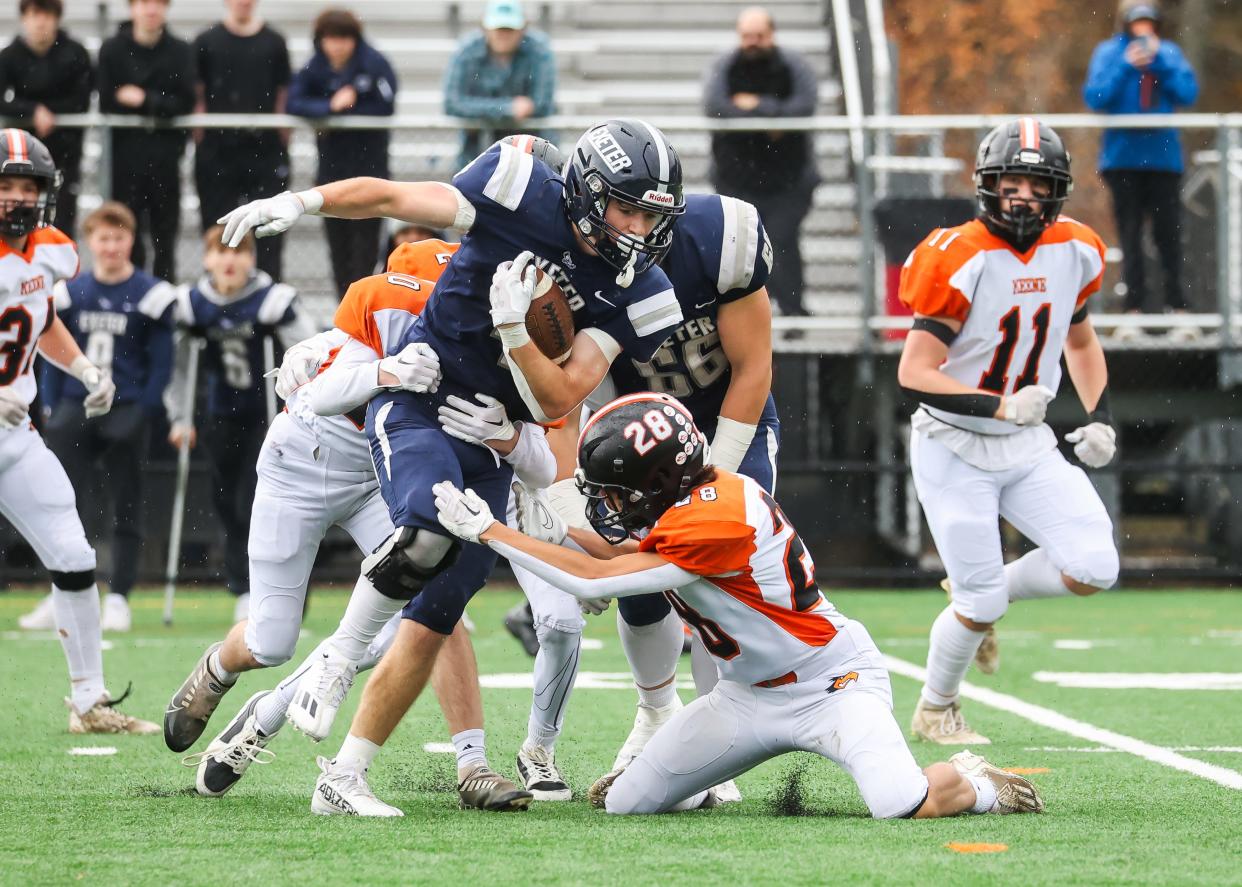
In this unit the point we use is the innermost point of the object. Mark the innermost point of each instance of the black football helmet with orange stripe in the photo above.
(637, 456)
(1021, 147)
(21, 154)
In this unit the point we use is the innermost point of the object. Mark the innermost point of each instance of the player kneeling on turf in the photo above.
(796, 675)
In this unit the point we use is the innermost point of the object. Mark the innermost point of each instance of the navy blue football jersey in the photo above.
(233, 330)
(720, 253)
(124, 328)
(519, 205)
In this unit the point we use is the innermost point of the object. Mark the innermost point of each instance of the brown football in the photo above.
(550, 321)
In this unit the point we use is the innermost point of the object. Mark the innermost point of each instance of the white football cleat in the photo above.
(230, 754)
(115, 615)
(103, 718)
(320, 692)
(41, 618)
(537, 768)
(647, 721)
(343, 792)
(1014, 793)
(944, 726)
(728, 793)
(241, 608)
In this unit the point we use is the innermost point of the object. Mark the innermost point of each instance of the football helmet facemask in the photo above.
(21, 154)
(630, 161)
(1021, 147)
(637, 456)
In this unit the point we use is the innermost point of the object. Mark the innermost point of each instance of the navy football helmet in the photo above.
(637, 456)
(21, 154)
(1021, 147)
(630, 161)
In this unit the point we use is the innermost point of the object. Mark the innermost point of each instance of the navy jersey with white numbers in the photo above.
(720, 253)
(124, 328)
(519, 206)
(234, 329)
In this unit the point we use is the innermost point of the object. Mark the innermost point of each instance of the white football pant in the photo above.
(844, 714)
(303, 489)
(1048, 500)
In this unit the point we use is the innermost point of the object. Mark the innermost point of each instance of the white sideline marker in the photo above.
(1046, 717)
(440, 748)
(93, 751)
(1125, 680)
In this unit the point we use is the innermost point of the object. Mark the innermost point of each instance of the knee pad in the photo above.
(77, 580)
(408, 560)
(643, 609)
(1097, 566)
(552, 638)
(272, 639)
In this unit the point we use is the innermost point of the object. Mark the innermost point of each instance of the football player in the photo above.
(35, 494)
(719, 364)
(997, 302)
(599, 233)
(795, 674)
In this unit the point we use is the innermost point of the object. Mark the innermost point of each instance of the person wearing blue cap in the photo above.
(1136, 71)
(500, 76)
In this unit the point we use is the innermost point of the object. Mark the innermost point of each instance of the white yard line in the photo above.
(1228, 749)
(1054, 720)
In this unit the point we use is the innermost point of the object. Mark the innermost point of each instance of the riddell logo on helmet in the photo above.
(662, 198)
(603, 142)
(1030, 157)
(1024, 285)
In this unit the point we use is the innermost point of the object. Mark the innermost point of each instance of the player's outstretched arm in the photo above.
(745, 329)
(433, 204)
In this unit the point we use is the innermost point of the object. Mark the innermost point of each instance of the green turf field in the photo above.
(1113, 817)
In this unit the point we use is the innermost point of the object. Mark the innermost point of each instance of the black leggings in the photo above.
(233, 448)
(1139, 195)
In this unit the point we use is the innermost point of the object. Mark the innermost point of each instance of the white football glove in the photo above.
(12, 408)
(1094, 444)
(1028, 406)
(268, 216)
(474, 423)
(465, 515)
(513, 287)
(593, 606)
(101, 391)
(300, 364)
(536, 517)
(416, 366)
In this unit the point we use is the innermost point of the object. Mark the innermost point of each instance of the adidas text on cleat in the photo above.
(343, 792)
(320, 692)
(103, 718)
(987, 657)
(231, 753)
(1014, 793)
(944, 725)
(193, 704)
(482, 788)
(537, 768)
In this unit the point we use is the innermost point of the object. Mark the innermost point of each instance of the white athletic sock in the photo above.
(271, 709)
(985, 794)
(223, 675)
(953, 645)
(556, 668)
(1033, 576)
(365, 616)
(702, 667)
(378, 647)
(653, 651)
(77, 624)
(471, 748)
(356, 753)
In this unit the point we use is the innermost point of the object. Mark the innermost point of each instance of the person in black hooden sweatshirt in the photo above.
(144, 70)
(45, 72)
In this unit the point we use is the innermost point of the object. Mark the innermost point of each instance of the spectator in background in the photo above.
(501, 77)
(145, 71)
(45, 72)
(399, 233)
(346, 76)
(1136, 72)
(121, 319)
(773, 170)
(243, 68)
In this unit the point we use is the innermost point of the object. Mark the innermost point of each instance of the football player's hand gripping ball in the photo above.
(463, 514)
(513, 287)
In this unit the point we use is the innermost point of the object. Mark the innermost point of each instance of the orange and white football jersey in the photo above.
(26, 308)
(756, 604)
(1015, 308)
